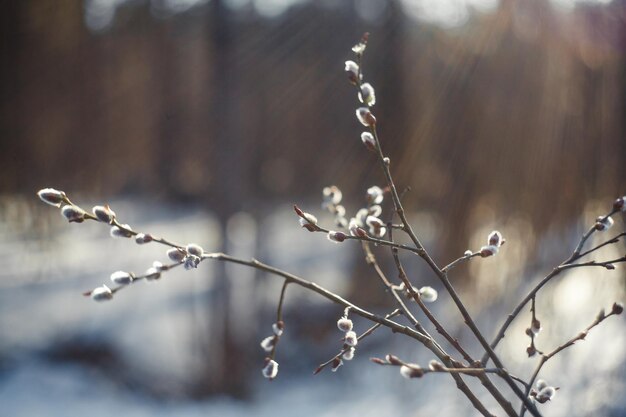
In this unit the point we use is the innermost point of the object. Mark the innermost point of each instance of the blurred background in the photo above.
(205, 120)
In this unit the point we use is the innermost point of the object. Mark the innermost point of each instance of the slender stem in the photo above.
(370, 259)
(384, 162)
(418, 299)
(395, 327)
(531, 294)
(506, 405)
(566, 264)
(363, 335)
(279, 310)
(603, 264)
(381, 242)
(162, 269)
(154, 238)
(279, 318)
(576, 254)
(458, 261)
(614, 239)
(546, 357)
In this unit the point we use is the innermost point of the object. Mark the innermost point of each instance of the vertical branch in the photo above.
(279, 318)
(406, 227)
(279, 310)
(431, 344)
(506, 405)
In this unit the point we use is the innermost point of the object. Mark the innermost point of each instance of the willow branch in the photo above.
(617, 309)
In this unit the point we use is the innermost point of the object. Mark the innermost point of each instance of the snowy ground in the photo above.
(47, 264)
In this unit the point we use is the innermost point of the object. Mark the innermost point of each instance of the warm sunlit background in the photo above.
(205, 120)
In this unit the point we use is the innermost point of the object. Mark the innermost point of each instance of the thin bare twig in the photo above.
(363, 335)
(279, 318)
(420, 250)
(506, 405)
(532, 293)
(434, 347)
(580, 336)
(458, 261)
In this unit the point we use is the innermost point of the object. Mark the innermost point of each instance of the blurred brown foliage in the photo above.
(523, 108)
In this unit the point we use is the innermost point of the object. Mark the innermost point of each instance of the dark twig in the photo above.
(420, 250)
(506, 405)
(580, 336)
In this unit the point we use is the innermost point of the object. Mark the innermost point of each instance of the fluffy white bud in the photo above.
(336, 364)
(412, 371)
(104, 214)
(495, 239)
(352, 70)
(73, 213)
(191, 262)
(368, 140)
(351, 339)
(348, 355)
(367, 95)
(344, 324)
(365, 116)
(51, 196)
(376, 226)
(428, 294)
(490, 250)
(153, 273)
(142, 238)
(268, 343)
(278, 328)
(102, 293)
(332, 195)
(176, 254)
(124, 231)
(194, 249)
(122, 278)
(541, 384)
(336, 237)
(435, 366)
(375, 195)
(545, 394)
(603, 224)
(270, 370)
(308, 221)
(359, 48)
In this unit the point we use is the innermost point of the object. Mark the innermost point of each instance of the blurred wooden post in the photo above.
(226, 373)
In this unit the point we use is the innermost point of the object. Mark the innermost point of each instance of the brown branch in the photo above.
(458, 261)
(279, 318)
(435, 348)
(617, 309)
(420, 250)
(506, 405)
(556, 271)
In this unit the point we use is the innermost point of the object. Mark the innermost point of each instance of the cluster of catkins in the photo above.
(365, 218)
(350, 340)
(543, 392)
(270, 367)
(189, 256)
